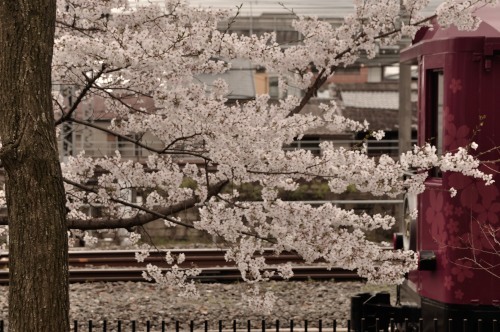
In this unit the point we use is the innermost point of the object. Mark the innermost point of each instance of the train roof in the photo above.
(438, 39)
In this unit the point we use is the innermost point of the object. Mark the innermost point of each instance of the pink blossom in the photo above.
(463, 271)
(487, 211)
(448, 209)
(452, 226)
(448, 282)
(455, 85)
(456, 136)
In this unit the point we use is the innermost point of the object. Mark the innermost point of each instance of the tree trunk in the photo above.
(38, 291)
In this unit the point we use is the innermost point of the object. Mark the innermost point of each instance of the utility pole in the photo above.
(405, 109)
(251, 15)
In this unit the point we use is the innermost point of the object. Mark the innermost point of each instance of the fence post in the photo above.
(148, 326)
(479, 325)
(90, 325)
(1, 325)
(234, 326)
(163, 327)
(450, 324)
(104, 327)
(348, 325)
(263, 325)
(75, 326)
(305, 325)
(320, 326)
(277, 325)
(334, 325)
(220, 326)
(495, 325)
(191, 326)
(291, 325)
(119, 327)
(435, 325)
(176, 326)
(133, 326)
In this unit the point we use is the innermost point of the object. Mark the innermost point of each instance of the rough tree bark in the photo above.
(38, 294)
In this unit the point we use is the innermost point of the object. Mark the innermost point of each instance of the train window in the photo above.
(435, 93)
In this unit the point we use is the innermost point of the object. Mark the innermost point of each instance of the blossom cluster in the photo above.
(460, 13)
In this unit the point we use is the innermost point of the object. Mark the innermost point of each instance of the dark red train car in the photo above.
(457, 238)
(459, 103)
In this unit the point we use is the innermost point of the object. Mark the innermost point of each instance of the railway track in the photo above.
(121, 265)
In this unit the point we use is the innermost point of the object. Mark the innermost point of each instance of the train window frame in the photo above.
(434, 113)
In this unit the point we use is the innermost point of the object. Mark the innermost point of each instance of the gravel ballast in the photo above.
(141, 301)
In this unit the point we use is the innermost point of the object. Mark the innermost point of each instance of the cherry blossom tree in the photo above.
(128, 56)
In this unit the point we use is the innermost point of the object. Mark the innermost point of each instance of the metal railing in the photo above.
(365, 325)
(128, 150)
(389, 146)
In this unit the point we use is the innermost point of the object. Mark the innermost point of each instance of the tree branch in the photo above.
(310, 92)
(322, 76)
(138, 220)
(120, 100)
(138, 143)
(73, 26)
(66, 116)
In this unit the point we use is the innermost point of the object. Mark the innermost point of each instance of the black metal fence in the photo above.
(366, 325)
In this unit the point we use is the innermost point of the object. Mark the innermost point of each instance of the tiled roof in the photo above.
(377, 103)
(371, 99)
(380, 119)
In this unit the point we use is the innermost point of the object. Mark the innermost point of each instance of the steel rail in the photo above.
(207, 275)
(193, 258)
(121, 265)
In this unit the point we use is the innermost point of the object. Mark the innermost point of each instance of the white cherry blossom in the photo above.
(126, 57)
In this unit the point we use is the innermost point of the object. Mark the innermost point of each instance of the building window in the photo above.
(284, 36)
(274, 91)
(129, 149)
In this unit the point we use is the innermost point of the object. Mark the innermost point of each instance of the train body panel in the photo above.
(457, 238)
(451, 226)
(459, 103)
